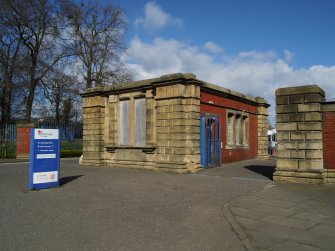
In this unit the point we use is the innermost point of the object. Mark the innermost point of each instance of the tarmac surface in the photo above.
(232, 207)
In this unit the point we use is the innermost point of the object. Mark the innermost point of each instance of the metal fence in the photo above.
(71, 135)
(67, 132)
(8, 132)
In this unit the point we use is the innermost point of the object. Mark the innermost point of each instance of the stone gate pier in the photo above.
(305, 131)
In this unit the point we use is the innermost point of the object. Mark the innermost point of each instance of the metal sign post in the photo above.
(44, 158)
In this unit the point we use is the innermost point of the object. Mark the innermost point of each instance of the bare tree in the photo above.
(37, 37)
(97, 32)
(38, 23)
(60, 90)
(10, 46)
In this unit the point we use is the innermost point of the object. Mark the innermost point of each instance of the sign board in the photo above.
(44, 158)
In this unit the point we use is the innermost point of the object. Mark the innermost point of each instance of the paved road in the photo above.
(123, 209)
(234, 207)
(285, 217)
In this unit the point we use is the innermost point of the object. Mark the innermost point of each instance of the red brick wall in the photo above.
(219, 106)
(23, 142)
(328, 140)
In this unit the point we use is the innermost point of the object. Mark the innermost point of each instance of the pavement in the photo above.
(12, 160)
(285, 217)
(233, 207)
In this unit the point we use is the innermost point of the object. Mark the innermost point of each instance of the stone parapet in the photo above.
(299, 134)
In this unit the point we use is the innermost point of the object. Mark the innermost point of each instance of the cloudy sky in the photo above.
(251, 46)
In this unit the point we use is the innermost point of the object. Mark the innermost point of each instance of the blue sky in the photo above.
(250, 46)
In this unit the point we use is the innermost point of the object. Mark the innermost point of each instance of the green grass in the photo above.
(8, 150)
(72, 145)
(69, 149)
(70, 153)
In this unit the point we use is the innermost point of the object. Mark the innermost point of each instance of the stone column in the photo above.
(299, 134)
(93, 130)
(150, 119)
(262, 131)
(178, 127)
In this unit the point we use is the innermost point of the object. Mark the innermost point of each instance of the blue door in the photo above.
(210, 140)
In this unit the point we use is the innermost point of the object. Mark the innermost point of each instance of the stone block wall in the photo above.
(299, 134)
(93, 130)
(130, 156)
(262, 129)
(178, 127)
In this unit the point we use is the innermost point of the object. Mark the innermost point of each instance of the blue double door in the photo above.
(210, 140)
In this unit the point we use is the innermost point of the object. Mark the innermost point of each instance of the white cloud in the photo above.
(288, 55)
(254, 73)
(213, 47)
(155, 18)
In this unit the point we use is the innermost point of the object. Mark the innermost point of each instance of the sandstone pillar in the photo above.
(299, 134)
(262, 131)
(178, 126)
(93, 130)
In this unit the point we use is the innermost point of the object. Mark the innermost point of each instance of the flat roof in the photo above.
(170, 78)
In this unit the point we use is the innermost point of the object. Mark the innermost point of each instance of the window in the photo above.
(132, 125)
(229, 129)
(245, 130)
(140, 122)
(124, 134)
(237, 129)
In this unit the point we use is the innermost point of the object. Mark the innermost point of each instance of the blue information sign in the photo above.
(44, 158)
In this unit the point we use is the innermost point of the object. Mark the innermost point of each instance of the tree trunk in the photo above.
(31, 94)
(57, 105)
(33, 83)
(6, 99)
(7, 116)
(89, 78)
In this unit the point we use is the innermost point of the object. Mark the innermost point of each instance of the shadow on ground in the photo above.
(266, 171)
(68, 179)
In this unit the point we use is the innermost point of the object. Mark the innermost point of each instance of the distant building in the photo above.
(272, 141)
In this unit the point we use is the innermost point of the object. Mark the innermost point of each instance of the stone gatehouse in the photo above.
(172, 123)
